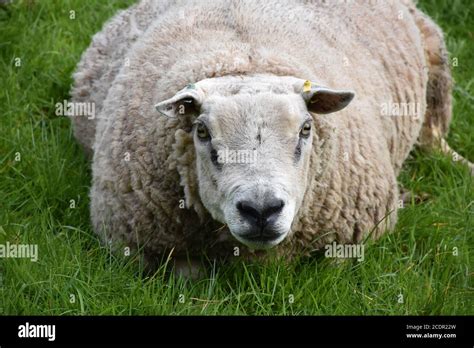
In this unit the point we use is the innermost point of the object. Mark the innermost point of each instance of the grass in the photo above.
(42, 169)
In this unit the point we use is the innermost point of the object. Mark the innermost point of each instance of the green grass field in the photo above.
(425, 267)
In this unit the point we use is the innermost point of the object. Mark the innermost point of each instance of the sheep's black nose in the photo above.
(261, 217)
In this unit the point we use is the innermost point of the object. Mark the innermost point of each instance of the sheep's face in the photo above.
(252, 161)
(253, 139)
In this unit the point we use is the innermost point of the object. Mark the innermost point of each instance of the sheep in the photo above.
(241, 125)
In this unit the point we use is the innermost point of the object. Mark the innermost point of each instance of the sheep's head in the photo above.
(253, 137)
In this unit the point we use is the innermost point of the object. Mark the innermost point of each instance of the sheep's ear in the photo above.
(321, 100)
(185, 102)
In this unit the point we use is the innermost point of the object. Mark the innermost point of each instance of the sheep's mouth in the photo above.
(261, 237)
(260, 240)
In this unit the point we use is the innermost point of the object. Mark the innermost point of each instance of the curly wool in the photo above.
(144, 164)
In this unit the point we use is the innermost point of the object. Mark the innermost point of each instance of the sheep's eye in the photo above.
(305, 130)
(202, 131)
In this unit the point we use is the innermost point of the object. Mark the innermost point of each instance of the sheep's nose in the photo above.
(262, 216)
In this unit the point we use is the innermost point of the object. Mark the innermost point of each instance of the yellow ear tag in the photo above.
(307, 86)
